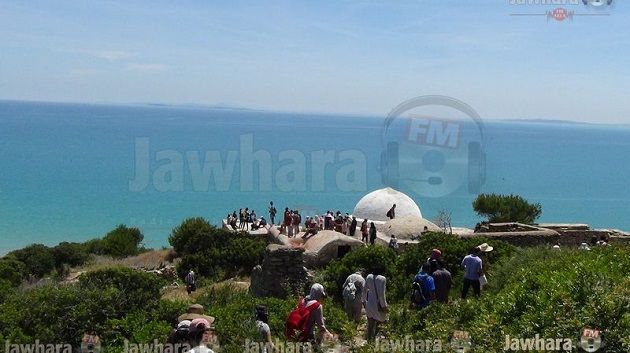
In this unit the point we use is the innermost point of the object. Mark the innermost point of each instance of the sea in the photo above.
(73, 172)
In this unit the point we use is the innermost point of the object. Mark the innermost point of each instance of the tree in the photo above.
(191, 236)
(38, 259)
(506, 208)
(71, 254)
(443, 220)
(122, 242)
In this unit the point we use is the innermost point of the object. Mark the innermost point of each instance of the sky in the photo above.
(347, 57)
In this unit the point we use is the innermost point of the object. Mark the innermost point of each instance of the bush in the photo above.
(138, 288)
(38, 259)
(71, 254)
(107, 302)
(502, 208)
(233, 309)
(12, 271)
(121, 242)
(190, 236)
(221, 254)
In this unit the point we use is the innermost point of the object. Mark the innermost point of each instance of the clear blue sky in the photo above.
(327, 56)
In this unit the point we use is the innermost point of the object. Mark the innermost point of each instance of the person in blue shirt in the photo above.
(473, 269)
(428, 285)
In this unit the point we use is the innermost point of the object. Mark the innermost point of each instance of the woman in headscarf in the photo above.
(376, 303)
(372, 233)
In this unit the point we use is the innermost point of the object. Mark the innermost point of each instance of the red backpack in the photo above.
(298, 320)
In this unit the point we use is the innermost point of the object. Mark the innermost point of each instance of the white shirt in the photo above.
(375, 289)
(201, 349)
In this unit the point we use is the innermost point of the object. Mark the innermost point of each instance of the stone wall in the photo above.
(281, 274)
(564, 238)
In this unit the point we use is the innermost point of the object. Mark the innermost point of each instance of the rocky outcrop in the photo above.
(407, 228)
(281, 274)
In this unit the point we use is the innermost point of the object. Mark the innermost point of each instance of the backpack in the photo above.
(417, 292)
(298, 320)
(350, 292)
(389, 214)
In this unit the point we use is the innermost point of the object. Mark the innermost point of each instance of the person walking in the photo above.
(425, 283)
(473, 269)
(443, 282)
(196, 332)
(352, 294)
(191, 284)
(376, 303)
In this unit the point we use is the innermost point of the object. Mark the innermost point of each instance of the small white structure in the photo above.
(374, 206)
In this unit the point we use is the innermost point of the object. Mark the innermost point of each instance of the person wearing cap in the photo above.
(179, 337)
(434, 260)
(317, 294)
(197, 335)
(473, 266)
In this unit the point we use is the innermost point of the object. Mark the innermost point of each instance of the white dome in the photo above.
(374, 206)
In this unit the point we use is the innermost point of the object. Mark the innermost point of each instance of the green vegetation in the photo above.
(122, 242)
(506, 208)
(213, 252)
(37, 261)
(531, 291)
(103, 301)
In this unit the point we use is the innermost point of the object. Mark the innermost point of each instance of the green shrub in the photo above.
(506, 208)
(12, 271)
(122, 242)
(138, 289)
(221, 254)
(38, 259)
(190, 236)
(233, 309)
(71, 254)
(108, 302)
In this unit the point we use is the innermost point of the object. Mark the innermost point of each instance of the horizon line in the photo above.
(230, 106)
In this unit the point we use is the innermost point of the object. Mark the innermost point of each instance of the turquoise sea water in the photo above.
(72, 172)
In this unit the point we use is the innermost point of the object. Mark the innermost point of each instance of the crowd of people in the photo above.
(292, 223)
(364, 296)
(246, 220)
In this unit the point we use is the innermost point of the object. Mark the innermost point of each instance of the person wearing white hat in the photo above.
(317, 294)
(485, 247)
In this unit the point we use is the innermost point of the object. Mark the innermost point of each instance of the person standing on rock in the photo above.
(352, 294)
(353, 226)
(272, 213)
(364, 231)
(391, 214)
(372, 233)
